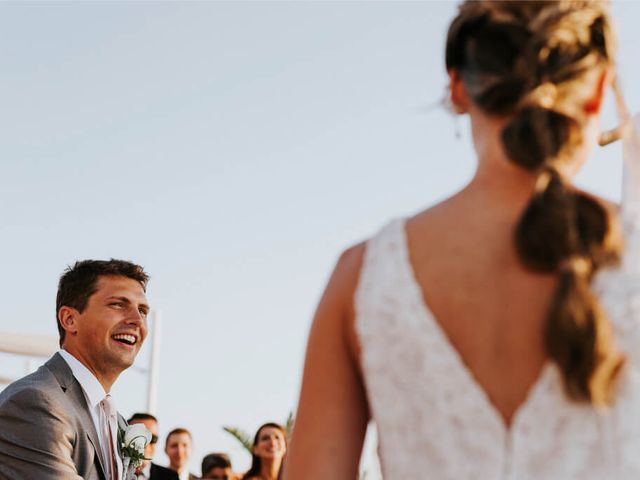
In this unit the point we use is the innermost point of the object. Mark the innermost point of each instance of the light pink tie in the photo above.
(110, 429)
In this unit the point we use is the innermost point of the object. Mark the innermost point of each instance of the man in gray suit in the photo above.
(55, 423)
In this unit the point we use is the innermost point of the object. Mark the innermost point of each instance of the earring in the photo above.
(449, 106)
(454, 110)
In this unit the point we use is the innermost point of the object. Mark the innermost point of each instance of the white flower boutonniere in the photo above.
(133, 439)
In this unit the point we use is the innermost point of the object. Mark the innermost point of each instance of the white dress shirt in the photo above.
(146, 472)
(93, 390)
(94, 394)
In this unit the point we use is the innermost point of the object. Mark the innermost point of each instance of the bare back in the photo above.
(371, 354)
(490, 307)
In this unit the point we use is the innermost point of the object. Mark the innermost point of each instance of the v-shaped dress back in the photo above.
(435, 421)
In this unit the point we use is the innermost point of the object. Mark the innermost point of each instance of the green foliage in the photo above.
(247, 441)
(288, 424)
(241, 436)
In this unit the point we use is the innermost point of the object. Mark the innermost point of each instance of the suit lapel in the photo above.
(60, 369)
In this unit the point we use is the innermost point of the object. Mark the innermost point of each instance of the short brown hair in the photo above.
(78, 282)
(215, 460)
(177, 431)
(142, 416)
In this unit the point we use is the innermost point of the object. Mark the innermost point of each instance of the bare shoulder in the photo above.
(332, 402)
(341, 292)
(347, 270)
(342, 286)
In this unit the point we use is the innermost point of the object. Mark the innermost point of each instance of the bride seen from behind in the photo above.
(471, 333)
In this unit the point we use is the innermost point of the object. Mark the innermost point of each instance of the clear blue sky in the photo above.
(233, 149)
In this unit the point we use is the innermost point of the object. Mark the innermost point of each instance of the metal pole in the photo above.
(154, 364)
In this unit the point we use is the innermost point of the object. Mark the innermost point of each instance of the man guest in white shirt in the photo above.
(60, 422)
(149, 470)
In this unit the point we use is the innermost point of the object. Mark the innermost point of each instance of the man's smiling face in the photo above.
(108, 334)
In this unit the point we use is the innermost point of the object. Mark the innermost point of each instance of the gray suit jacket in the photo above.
(46, 429)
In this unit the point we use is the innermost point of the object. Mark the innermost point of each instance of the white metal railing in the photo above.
(29, 345)
(35, 346)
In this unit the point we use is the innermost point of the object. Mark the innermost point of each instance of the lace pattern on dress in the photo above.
(432, 417)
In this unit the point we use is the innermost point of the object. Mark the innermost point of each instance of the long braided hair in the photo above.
(536, 63)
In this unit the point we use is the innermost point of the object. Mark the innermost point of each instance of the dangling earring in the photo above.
(456, 122)
(454, 110)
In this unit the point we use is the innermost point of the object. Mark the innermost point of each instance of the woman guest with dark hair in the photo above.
(268, 451)
(495, 335)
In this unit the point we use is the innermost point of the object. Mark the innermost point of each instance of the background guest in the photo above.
(269, 448)
(149, 470)
(178, 449)
(217, 466)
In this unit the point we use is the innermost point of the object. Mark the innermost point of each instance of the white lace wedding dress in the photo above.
(435, 422)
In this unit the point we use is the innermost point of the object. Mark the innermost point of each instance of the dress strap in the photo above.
(380, 268)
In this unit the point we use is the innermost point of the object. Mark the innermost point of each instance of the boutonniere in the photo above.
(132, 439)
